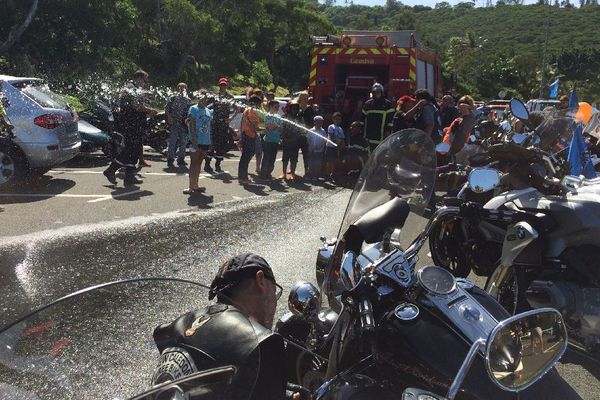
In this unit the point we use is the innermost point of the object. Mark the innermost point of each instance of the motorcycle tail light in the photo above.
(49, 121)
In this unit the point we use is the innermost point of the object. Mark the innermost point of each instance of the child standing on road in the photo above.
(199, 117)
(271, 140)
(316, 148)
(335, 133)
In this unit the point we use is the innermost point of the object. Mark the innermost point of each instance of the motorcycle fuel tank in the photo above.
(427, 351)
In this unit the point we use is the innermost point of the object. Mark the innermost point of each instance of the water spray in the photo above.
(239, 104)
(110, 91)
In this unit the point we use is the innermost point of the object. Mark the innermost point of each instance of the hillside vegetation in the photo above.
(497, 48)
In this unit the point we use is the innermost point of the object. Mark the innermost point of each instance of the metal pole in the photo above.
(541, 96)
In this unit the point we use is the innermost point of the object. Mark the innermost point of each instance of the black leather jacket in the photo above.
(220, 335)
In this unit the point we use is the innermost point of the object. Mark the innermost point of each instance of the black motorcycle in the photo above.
(100, 115)
(380, 324)
(97, 343)
(157, 133)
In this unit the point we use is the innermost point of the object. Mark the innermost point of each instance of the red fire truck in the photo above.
(343, 68)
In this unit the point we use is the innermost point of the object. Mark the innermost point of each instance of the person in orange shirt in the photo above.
(249, 127)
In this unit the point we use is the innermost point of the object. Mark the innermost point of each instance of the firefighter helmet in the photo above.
(377, 87)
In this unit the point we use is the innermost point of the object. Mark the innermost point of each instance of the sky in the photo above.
(429, 3)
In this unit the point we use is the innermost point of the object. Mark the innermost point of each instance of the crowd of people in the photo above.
(331, 145)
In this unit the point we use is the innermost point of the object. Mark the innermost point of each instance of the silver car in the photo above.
(45, 129)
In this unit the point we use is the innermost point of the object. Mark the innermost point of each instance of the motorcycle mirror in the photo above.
(518, 109)
(442, 147)
(483, 180)
(349, 271)
(521, 349)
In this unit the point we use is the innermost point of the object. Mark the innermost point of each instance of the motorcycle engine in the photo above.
(580, 307)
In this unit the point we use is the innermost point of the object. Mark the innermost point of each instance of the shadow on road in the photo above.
(200, 200)
(277, 186)
(178, 170)
(130, 193)
(155, 157)
(44, 186)
(224, 177)
(299, 185)
(256, 188)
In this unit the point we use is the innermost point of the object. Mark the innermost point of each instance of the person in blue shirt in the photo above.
(335, 133)
(270, 140)
(199, 120)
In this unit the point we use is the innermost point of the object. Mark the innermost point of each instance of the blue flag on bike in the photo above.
(554, 89)
(579, 156)
(573, 99)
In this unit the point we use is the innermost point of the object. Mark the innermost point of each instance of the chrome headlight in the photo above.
(304, 299)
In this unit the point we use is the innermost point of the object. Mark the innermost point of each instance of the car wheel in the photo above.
(12, 165)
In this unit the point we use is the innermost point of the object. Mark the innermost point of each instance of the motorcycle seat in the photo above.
(373, 224)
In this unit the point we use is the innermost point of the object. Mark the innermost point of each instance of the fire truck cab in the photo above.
(343, 68)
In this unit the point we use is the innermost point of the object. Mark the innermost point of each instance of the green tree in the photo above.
(405, 20)
(260, 74)
(443, 5)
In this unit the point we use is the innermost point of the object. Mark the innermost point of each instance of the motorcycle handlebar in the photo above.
(365, 311)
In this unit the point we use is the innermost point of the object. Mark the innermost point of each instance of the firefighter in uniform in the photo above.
(132, 123)
(377, 114)
(220, 137)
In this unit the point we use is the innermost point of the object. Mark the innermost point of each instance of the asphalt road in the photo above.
(54, 245)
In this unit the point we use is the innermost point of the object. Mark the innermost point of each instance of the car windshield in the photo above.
(39, 92)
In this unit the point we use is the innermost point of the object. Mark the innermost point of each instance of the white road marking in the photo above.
(50, 195)
(238, 160)
(96, 198)
(114, 196)
(85, 172)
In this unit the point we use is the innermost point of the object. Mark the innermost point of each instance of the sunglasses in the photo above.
(278, 289)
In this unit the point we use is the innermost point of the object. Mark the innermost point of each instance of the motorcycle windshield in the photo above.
(403, 165)
(556, 130)
(98, 343)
